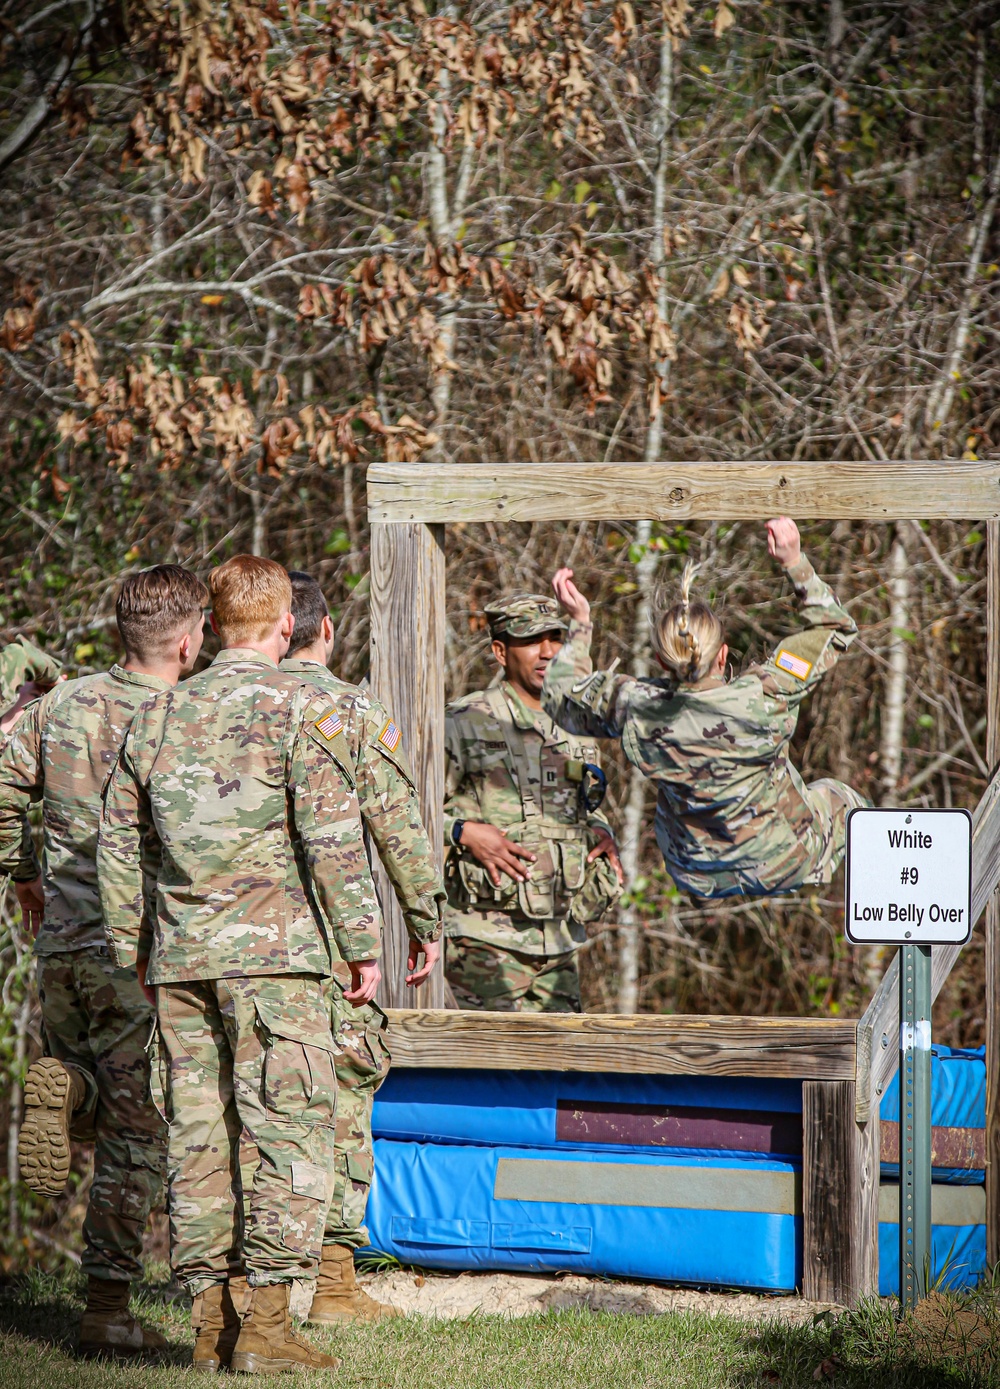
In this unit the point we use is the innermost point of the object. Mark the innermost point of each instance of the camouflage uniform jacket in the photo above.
(230, 831)
(22, 660)
(387, 798)
(733, 815)
(483, 783)
(62, 752)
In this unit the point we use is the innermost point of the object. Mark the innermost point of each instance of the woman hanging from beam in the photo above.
(733, 815)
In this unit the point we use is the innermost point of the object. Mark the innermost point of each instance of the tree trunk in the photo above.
(629, 930)
(445, 220)
(891, 753)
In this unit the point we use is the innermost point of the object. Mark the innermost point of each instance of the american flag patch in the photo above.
(795, 665)
(329, 725)
(390, 736)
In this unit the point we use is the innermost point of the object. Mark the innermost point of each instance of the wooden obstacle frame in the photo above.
(844, 1065)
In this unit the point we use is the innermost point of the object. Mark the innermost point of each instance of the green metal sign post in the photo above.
(909, 883)
(914, 1124)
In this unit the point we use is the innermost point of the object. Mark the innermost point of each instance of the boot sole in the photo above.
(43, 1146)
(249, 1363)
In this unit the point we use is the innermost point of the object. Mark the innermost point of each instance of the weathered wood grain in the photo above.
(840, 1172)
(792, 1048)
(878, 1029)
(436, 492)
(407, 673)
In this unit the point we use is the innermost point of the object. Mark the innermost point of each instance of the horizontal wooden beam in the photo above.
(435, 492)
(878, 1030)
(789, 1048)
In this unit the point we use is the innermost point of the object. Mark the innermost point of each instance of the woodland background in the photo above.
(246, 248)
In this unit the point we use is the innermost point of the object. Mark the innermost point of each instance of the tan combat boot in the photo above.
(267, 1344)
(216, 1323)
(51, 1093)
(109, 1328)
(338, 1298)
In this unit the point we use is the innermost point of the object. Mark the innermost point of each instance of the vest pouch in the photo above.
(573, 857)
(543, 895)
(470, 885)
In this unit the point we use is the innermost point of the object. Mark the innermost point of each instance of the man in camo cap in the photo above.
(530, 859)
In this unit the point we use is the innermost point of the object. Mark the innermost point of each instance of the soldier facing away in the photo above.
(93, 1084)
(733, 814)
(230, 847)
(390, 812)
(531, 860)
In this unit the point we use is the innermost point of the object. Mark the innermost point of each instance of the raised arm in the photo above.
(804, 657)
(574, 695)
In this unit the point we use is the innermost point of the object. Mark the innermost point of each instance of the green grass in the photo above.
(868, 1349)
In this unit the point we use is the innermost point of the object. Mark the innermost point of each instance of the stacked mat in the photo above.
(958, 1158)
(656, 1177)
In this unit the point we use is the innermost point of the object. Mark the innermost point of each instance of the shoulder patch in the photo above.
(330, 725)
(794, 665)
(390, 737)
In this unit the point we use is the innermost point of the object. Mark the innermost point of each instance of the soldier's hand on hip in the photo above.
(570, 596)
(606, 845)
(365, 975)
(496, 852)
(783, 541)
(431, 951)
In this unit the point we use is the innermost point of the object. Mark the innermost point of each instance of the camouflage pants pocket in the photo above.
(127, 1185)
(361, 1035)
(311, 1189)
(299, 1081)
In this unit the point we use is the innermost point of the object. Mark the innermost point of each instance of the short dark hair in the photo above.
(153, 605)
(309, 607)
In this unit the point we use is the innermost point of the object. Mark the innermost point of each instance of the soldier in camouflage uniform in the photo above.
(26, 672)
(531, 860)
(733, 815)
(390, 812)
(93, 1085)
(230, 846)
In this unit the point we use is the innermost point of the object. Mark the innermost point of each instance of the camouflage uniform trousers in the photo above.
(97, 1020)
(502, 980)
(361, 1063)
(830, 801)
(253, 1054)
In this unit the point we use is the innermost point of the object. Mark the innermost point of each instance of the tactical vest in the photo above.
(562, 883)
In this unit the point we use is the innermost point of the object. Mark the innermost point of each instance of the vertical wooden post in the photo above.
(993, 907)
(840, 1178)
(407, 674)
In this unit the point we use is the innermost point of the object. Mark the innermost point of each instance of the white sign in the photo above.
(909, 877)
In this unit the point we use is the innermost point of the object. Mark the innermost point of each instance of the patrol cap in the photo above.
(524, 615)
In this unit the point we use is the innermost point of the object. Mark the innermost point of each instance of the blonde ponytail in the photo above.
(687, 636)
